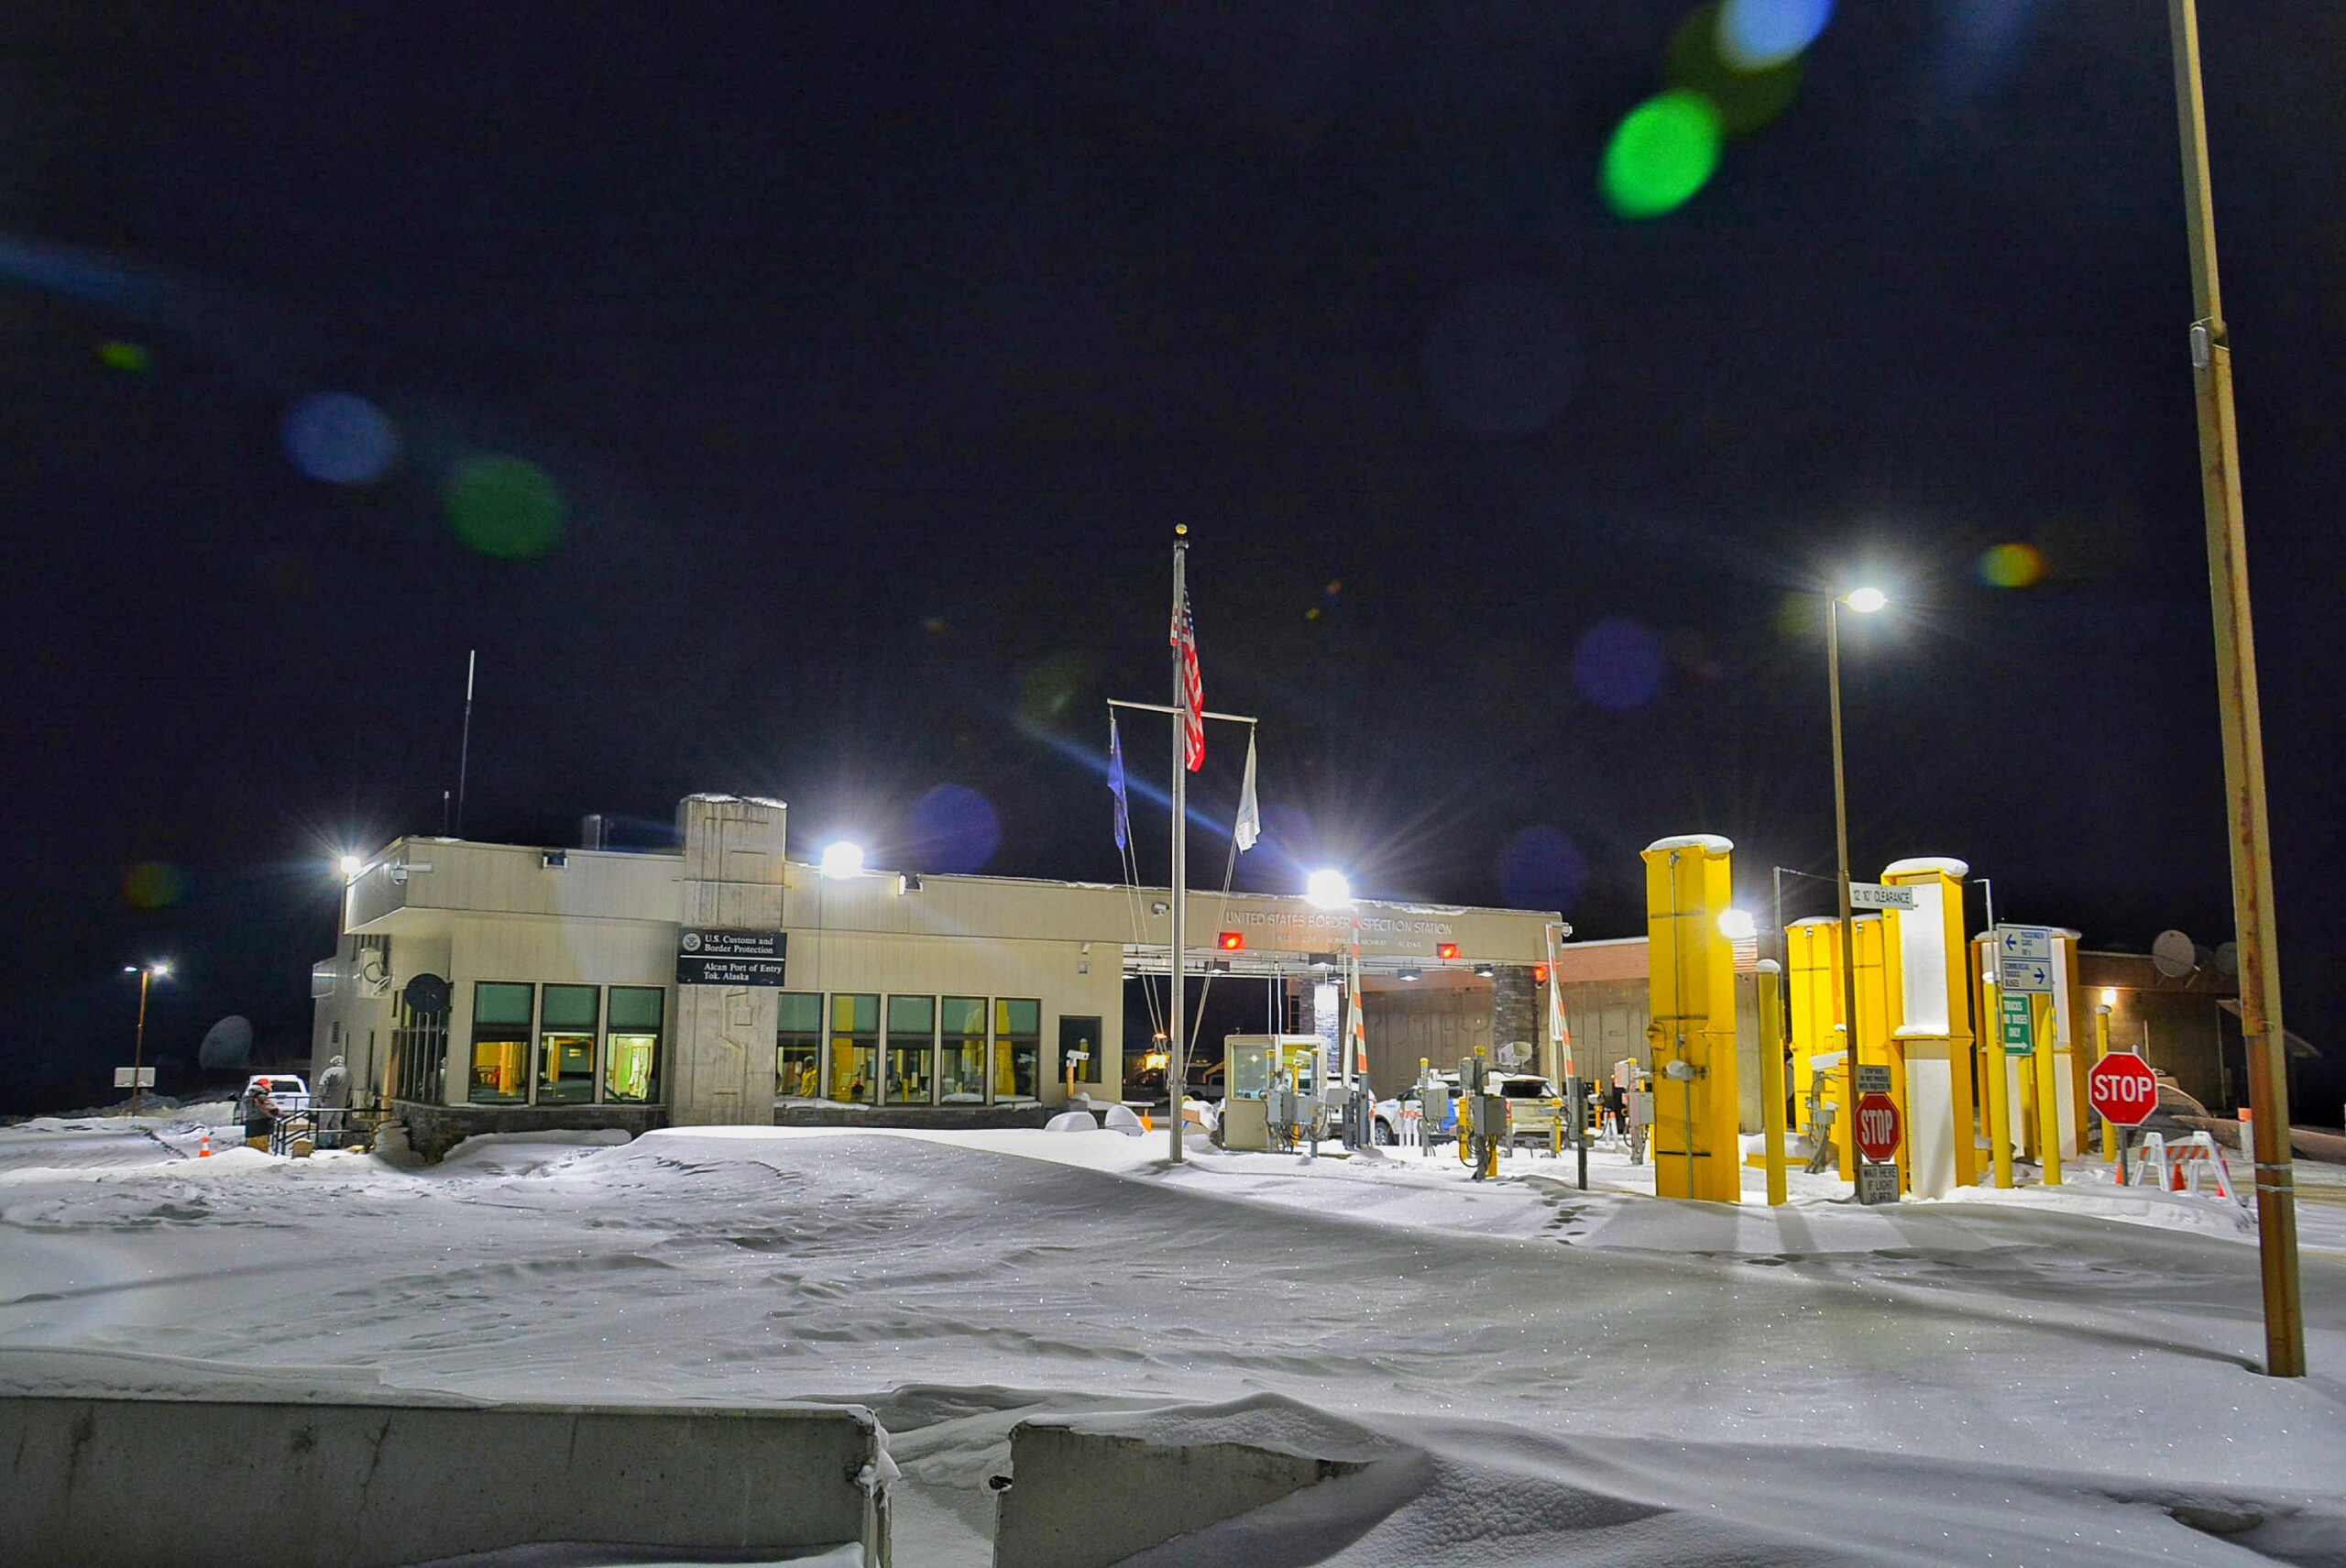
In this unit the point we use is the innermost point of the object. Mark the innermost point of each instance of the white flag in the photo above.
(1249, 826)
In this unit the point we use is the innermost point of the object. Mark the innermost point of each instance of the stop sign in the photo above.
(1877, 1126)
(2123, 1089)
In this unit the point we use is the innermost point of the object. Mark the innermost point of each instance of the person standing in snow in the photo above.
(260, 1113)
(333, 1095)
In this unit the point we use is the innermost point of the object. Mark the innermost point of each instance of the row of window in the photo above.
(917, 1050)
(576, 1045)
(566, 1045)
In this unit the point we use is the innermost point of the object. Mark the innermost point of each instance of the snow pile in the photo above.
(1533, 1373)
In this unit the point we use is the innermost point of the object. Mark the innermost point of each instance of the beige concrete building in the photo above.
(482, 987)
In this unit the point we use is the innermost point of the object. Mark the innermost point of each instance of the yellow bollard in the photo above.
(1813, 987)
(2048, 1091)
(2101, 1050)
(1996, 1076)
(1772, 1077)
(1691, 1034)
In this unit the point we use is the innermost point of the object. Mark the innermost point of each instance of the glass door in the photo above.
(1079, 1049)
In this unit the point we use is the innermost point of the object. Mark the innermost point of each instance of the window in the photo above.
(500, 1043)
(631, 1048)
(855, 1048)
(799, 1046)
(566, 1020)
(961, 1067)
(911, 1049)
(1017, 1048)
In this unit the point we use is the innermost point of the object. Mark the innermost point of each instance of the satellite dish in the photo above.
(227, 1044)
(426, 996)
(2172, 954)
(2227, 957)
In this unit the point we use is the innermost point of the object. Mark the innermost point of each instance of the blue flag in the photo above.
(1116, 785)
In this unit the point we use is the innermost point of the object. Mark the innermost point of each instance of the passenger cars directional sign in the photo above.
(2024, 959)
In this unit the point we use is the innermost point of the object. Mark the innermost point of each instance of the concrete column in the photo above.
(721, 1068)
(1515, 1012)
(1327, 999)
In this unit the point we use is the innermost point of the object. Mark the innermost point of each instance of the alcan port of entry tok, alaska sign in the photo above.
(710, 957)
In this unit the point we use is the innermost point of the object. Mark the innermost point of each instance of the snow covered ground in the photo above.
(1539, 1374)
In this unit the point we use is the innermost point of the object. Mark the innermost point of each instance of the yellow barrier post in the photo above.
(1813, 985)
(2101, 1050)
(1689, 883)
(1772, 1077)
(2069, 998)
(1995, 1070)
(2048, 1089)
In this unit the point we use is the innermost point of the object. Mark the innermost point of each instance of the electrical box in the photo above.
(1245, 1124)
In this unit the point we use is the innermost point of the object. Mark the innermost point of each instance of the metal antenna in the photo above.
(464, 748)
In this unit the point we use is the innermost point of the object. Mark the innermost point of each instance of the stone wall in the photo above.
(433, 1130)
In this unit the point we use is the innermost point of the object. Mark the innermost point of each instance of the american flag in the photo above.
(1193, 692)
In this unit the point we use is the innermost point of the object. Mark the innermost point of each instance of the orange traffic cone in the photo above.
(205, 1151)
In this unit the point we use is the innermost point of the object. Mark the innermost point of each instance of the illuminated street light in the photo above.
(843, 859)
(148, 973)
(1326, 890)
(1865, 601)
(351, 866)
(1737, 925)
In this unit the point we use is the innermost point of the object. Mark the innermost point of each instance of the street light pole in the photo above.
(138, 1051)
(2243, 723)
(146, 973)
(1841, 884)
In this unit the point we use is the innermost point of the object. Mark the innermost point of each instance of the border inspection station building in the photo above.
(497, 987)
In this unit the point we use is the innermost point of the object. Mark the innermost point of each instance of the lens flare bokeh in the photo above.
(130, 358)
(1757, 34)
(1501, 358)
(1541, 868)
(339, 438)
(154, 885)
(1747, 100)
(954, 829)
(2012, 566)
(504, 507)
(1053, 688)
(1664, 150)
(1618, 664)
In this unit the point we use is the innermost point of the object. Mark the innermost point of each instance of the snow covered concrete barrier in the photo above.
(189, 1483)
(1089, 1492)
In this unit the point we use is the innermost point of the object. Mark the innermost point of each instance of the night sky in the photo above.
(799, 401)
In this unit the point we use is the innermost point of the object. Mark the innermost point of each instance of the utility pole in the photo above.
(2243, 726)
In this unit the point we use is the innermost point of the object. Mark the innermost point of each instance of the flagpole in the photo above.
(1177, 1077)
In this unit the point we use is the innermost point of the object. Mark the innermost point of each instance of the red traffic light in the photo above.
(1445, 949)
(1538, 974)
(1231, 941)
